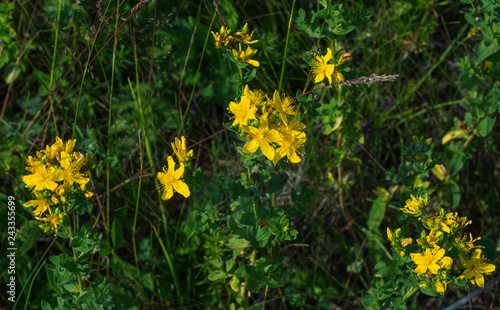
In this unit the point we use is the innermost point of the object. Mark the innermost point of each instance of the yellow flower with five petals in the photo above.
(322, 69)
(70, 172)
(427, 261)
(41, 177)
(242, 111)
(170, 180)
(41, 204)
(475, 267)
(262, 138)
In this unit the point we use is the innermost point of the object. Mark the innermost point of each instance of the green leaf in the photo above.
(343, 30)
(368, 300)
(277, 183)
(381, 269)
(429, 291)
(216, 275)
(486, 125)
(71, 287)
(83, 299)
(62, 276)
(230, 264)
(247, 219)
(376, 214)
(62, 304)
(45, 305)
(238, 244)
(104, 248)
(483, 51)
(262, 237)
(456, 163)
(10, 75)
(453, 193)
(249, 76)
(250, 271)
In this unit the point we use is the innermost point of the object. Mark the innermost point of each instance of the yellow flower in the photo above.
(292, 128)
(222, 38)
(440, 286)
(257, 97)
(284, 106)
(62, 191)
(41, 177)
(414, 206)
(446, 262)
(52, 151)
(41, 204)
(427, 261)
(245, 37)
(393, 236)
(52, 221)
(337, 76)
(170, 180)
(245, 56)
(475, 268)
(467, 245)
(406, 241)
(448, 222)
(262, 138)
(242, 111)
(322, 69)
(462, 222)
(70, 172)
(289, 147)
(433, 238)
(180, 150)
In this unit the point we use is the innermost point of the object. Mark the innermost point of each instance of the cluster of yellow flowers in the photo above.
(224, 38)
(442, 235)
(321, 68)
(171, 179)
(56, 176)
(269, 124)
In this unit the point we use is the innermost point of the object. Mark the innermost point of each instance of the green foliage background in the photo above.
(169, 81)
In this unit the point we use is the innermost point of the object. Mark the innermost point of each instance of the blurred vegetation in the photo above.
(126, 77)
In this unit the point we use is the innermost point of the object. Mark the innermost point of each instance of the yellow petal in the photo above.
(329, 76)
(439, 254)
(441, 286)
(420, 270)
(328, 55)
(179, 172)
(171, 164)
(446, 262)
(479, 280)
(434, 268)
(476, 255)
(267, 150)
(182, 188)
(320, 77)
(390, 235)
(167, 193)
(251, 146)
(254, 63)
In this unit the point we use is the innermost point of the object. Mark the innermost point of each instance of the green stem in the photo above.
(51, 99)
(410, 293)
(75, 257)
(286, 46)
(171, 267)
